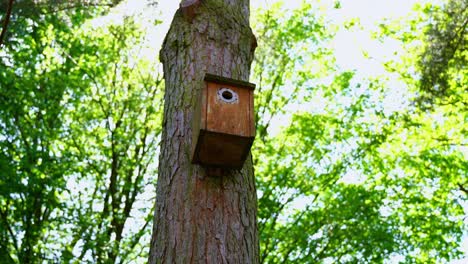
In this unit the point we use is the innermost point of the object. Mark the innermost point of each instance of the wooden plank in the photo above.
(228, 118)
(251, 115)
(228, 81)
(204, 106)
(222, 150)
(198, 120)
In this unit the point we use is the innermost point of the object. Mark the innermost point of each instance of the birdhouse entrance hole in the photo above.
(227, 95)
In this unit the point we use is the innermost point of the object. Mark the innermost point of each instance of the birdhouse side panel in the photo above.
(199, 119)
(228, 109)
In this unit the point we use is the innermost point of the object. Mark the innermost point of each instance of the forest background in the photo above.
(361, 153)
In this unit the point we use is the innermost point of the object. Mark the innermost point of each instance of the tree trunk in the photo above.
(200, 218)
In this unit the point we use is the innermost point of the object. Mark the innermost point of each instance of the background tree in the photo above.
(442, 64)
(112, 132)
(79, 129)
(348, 145)
(33, 167)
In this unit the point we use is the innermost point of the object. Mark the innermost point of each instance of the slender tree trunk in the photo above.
(201, 218)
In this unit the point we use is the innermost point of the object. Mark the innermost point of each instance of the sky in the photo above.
(349, 45)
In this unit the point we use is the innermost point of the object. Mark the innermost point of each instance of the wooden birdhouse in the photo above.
(223, 123)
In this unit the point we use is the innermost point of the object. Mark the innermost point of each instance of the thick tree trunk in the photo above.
(201, 218)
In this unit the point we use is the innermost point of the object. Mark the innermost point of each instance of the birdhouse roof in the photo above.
(224, 80)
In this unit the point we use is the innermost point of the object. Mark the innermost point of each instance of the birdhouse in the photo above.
(223, 123)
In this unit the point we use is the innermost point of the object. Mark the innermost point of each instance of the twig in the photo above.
(7, 20)
(463, 189)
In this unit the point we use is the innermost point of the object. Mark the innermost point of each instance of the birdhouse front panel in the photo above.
(229, 110)
(223, 124)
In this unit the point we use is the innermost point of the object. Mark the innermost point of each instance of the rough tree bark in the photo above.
(200, 218)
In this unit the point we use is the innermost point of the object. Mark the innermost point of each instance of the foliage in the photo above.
(79, 119)
(288, 45)
(443, 62)
(352, 180)
(112, 133)
(33, 167)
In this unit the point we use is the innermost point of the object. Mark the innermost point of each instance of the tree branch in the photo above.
(7, 20)
(10, 231)
(463, 189)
